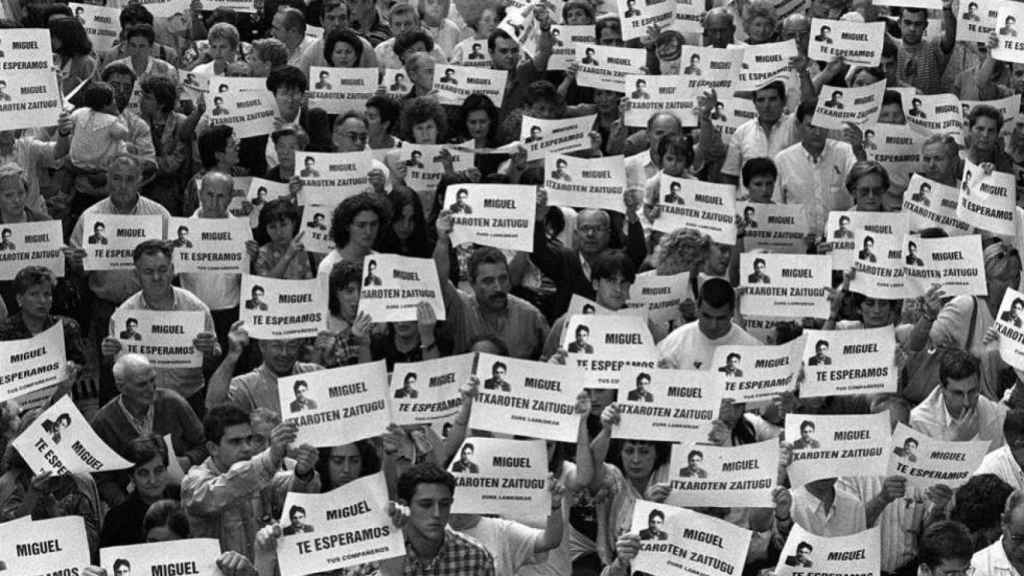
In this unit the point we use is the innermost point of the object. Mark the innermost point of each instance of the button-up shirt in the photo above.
(142, 425)
(992, 561)
(751, 141)
(818, 183)
(1002, 463)
(901, 522)
(639, 169)
(459, 556)
(845, 517)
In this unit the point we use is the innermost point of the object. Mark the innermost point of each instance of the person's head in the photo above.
(215, 191)
(1012, 523)
(350, 133)
(577, 13)
(1002, 268)
(593, 231)
(1018, 306)
(287, 141)
(695, 458)
(414, 42)
(675, 153)
(760, 21)
(806, 430)
(939, 158)
(99, 96)
(655, 520)
(279, 218)
(759, 176)
(428, 491)
(289, 26)
(869, 243)
(821, 348)
(139, 40)
(715, 306)
(719, 29)
(228, 435)
(478, 117)
(797, 27)
(912, 247)
(803, 550)
(643, 381)
(733, 360)
(423, 121)
(608, 30)
(498, 370)
(466, 454)
(409, 381)
(13, 191)
(489, 278)
(868, 184)
(300, 388)
(339, 465)
(131, 324)
(135, 379)
(223, 38)
(297, 516)
(33, 288)
(149, 459)
(343, 49)
(267, 54)
(812, 137)
(759, 265)
(504, 50)
(165, 521)
(945, 549)
(612, 273)
(983, 126)
(336, 16)
(913, 23)
(358, 219)
(159, 96)
(910, 446)
(978, 505)
(122, 567)
(408, 224)
(288, 84)
(582, 334)
(218, 147)
(960, 382)
(770, 102)
(154, 267)
(638, 459)
(343, 284)
(68, 38)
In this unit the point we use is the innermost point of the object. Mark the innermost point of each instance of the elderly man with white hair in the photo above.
(142, 408)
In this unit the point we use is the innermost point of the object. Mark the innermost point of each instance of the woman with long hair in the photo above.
(73, 52)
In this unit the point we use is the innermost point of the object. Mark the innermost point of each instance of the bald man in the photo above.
(719, 28)
(220, 292)
(142, 407)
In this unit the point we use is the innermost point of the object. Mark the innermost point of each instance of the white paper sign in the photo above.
(857, 43)
(427, 392)
(585, 182)
(879, 266)
(602, 346)
(849, 362)
(1010, 326)
(667, 405)
(349, 402)
(338, 90)
(246, 6)
(1007, 28)
(765, 63)
(896, 146)
(708, 68)
(102, 24)
(189, 556)
(62, 441)
(730, 113)
(52, 546)
(723, 476)
(248, 113)
(210, 244)
(109, 239)
(831, 446)
(454, 84)
(987, 201)
(424, 165)
(779, 228)
(29, 99)
(757, 373)
(785, 285)
(659, 297)
(393, 286)
(929, 204)
(977, 20)
(650, 94)
(925, 462)
(166, 8)
(542, 136)
(163, 336)
(606, 67)
(686, 542)
(31, 243)
(276, 309)
(330, 177)
(708, 208)
(842, 226)
(395, 82)
(566, 38)
(499, 215)
(504, 477)
(936, 114)
(33, 364)
(955, 265)
(258, 192)
(858, 105)
(638, 16)
(859, 553)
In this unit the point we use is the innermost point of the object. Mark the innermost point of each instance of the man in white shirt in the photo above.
(955, 410)
(692, 345)
(1006, 556)
(1006, 461)
(823, 510)
(289, 26)
(770, 133)
(640, 166)
(813, 171)
(404, 18)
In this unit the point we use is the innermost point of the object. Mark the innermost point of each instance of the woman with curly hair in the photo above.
(342, 49)
(354, 228)
(423, 121)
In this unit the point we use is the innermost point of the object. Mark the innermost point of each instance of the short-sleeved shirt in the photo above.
(510, 543)
(690, 349)
(521, 327)
(819, 184)
(751, 141)
(459, 555)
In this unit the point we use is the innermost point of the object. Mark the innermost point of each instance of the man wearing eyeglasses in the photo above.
(351, 134)
(1004, 557)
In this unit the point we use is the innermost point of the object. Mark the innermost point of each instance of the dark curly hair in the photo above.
(420, 110)
(349, 208)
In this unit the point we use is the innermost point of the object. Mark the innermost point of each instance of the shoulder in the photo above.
(469, 546)
(170, 400)
(186, 300)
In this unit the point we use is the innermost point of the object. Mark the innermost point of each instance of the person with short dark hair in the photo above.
(759, 276)
(693, 466)
(802, 558)
(655, 520)
(642, 392)
(806, 439)
(296, 522)
(821, 357)
(908, 450)
(693, 345)
(912, 258)
(302, 401)
(580, 344)
(465, 464)
(407, 390)
(497, 380)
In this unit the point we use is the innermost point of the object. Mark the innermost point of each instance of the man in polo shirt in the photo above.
(154, 268)
(921, 62)
(771, 132)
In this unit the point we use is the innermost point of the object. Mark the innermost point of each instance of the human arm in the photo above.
(626, 548)
(893, 487)
(599, 446)
(553, 529)
(579, 477)
(457, 434)
(949, 27)
(220, 381)
(930, 304)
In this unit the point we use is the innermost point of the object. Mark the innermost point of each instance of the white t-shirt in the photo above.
(510, 543)
(98, 137)
(690, 349)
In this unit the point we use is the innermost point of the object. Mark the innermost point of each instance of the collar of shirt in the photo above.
(584, 265)
(142, 425)
(948, 418)
(430, 566)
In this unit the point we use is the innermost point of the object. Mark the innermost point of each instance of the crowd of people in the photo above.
(137, 138)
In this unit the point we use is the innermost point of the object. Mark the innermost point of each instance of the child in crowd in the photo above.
(99, 134)
(284, 256)
(759, 176)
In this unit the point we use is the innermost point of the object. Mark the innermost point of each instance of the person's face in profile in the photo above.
(807, 433)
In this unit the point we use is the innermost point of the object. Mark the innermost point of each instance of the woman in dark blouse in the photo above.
(124, 522)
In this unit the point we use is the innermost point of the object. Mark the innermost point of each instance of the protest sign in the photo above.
(638, 16)
(680, 541)
(166, 8)
(51, 547)
(841, 227)
(585, 182)
(189, 556)
(838, 106)
(660, 297)
(29, 99)
(1009, 107)
(504, 477)
(925, 462)
(316, 236)
(580, 305)
(924, 4)
(163, 336)
(239, 84)
(765, 63)
(427, 392)
(330, 177)
(1009, 323)
(977, 20)
(651, 94)
(534, 399)
(689, 20)
(606, 67)
(194, 86)
(277, 309)
(245, 6)
(347, 526)
(897, 147)
(210, 244)
(424, 164)
(562, 135)
(859, 553)
(879, 266)
(102, 24)
(454, 83)
(566, 38)
(857, 43)
(395, 82)
(349, 402)
(1009, 48)
(708, 68)
(757, 373)
(174, 472)
(929, 204)
(33, 364)
(666, 405)
(936, 114)
(35, 243)
(831, 446)
(338, 90)
(690, 203)
(849, 362)
(955, 265)
(723, 476)
(987, 201)
(257, 193)
(779, 228)
(108, 239)
(393, 286)
(62, 441)
(730, 113)
(473, 51)
(603, 345)
(499, 215)
(786, 285)
(248, 113)
(26, 50)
